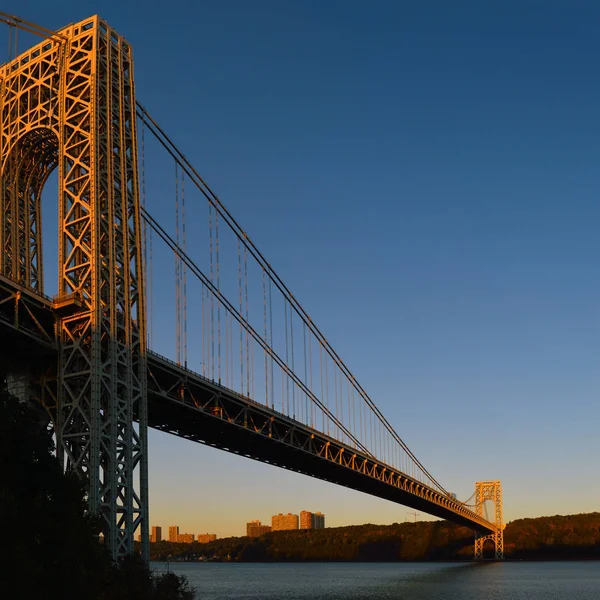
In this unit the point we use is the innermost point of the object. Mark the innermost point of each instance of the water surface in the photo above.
(392, 581)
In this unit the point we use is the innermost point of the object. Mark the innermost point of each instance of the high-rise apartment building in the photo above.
(186, 538)
(173, 533)
(204, 538)
(306, 520)
(156, 535)
(318, 520)
(309, 520)
(256, 529)
(283, 522)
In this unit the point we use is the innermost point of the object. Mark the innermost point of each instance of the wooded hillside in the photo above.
(558, 537)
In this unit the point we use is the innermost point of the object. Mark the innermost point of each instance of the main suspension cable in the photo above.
(166, 142)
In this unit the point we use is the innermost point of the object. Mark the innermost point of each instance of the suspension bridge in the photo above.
(246, 369)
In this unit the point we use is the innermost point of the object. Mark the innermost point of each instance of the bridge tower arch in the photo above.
(489, 490)
(69, 103)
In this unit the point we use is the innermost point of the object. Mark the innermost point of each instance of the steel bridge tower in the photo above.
(69, 103)
(489, 490)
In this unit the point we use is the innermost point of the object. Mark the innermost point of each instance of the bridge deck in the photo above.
(190, 406)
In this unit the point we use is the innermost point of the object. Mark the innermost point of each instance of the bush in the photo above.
(131, 579)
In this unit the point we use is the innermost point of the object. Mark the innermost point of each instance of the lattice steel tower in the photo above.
(489, 490)
(69, 103)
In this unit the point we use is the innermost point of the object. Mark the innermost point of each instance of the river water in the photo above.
(392, 581)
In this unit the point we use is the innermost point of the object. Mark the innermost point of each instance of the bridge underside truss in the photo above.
(186, 404)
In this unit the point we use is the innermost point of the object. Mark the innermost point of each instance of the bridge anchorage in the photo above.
(275, 392)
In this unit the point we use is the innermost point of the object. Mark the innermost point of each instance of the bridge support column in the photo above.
(69, 103)
(489, 490)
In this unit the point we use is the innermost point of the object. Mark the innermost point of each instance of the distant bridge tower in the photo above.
(69, 103)
(489, 490)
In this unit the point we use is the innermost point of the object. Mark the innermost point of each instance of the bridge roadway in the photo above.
(188, 405)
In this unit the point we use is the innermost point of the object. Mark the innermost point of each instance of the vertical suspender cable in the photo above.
(341, 413)
(287, 351)
(322, 389)
(218, 303)
(184, 269)
(241, 313)
(335, 393)
(293, 363)
(327, 393)
(353, 414)
(271, 345)
(365, 421)
(212, 296)
(338, 397)
(264, 286)
(202, 307)
(13, 42)
(177, 270)
(312, 404)
(225, 349)
(247, 321)
(341, 382)
(341, 390)
(306, 406)
(373, 434)
(350, 409)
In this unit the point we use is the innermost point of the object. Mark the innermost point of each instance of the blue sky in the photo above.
(424, 176)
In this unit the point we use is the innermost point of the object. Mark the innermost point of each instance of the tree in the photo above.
(51, 548)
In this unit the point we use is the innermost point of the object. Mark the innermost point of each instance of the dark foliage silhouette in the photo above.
(52, 549)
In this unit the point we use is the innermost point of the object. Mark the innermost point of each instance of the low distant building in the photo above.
(256, 529)
(283, 522)
(156, 535)
(204, 538)
(250, 525)
(173, 533)
(185, 538)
